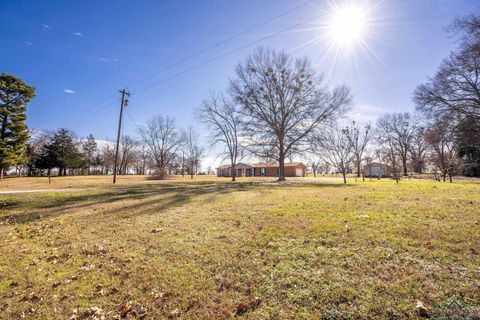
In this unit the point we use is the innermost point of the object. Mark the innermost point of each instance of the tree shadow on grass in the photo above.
(147, 198)
(161, 197)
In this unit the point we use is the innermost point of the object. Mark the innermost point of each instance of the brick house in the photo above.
(262, 169)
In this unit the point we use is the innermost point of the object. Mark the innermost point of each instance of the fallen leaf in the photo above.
(126, 309)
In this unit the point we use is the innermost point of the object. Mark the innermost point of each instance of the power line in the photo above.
(198, 53)
(228, 53)
(96, 106)
(88, 115)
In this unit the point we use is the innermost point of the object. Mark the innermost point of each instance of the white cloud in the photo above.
(29, 43)
(46, 26)
(115, 60)
(104, 59)
(78, 34)
(366, 113)
(69, 91)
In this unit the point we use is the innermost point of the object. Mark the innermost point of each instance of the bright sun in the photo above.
(347, 26)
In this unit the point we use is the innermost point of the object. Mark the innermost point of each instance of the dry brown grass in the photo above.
(209, 248)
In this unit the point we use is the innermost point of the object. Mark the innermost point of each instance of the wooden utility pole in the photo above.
(124, 104)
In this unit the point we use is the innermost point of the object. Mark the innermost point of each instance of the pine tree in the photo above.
(14, 95)
(62, 152)
(89, 148)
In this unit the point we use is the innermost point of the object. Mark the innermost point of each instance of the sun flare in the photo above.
(348, 25)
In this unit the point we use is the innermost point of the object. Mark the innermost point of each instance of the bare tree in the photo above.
(358, 139)
(399, 128)
(142, 159)
(223, 121)
(335, 148)
(163, 140)
(387, 140)
(314, 162)
(38, 139)
(194, 151)
(455, 88)
(418, 149)
(107, 154)
(128, 153)
(283, 101)
(441, 138)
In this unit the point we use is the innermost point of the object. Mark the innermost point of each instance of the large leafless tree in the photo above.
(223, 121)
(163, 139)
(283, 101)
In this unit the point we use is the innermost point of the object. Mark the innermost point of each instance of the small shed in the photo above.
(377, 170)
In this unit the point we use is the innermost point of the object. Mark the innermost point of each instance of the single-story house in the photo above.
(262, 169)
(377, 170)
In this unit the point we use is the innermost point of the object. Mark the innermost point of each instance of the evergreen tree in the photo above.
(14, 95)
(89, 149)
(62, 152)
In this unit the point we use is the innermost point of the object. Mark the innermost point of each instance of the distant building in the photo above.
(377, 170)
(262, 169)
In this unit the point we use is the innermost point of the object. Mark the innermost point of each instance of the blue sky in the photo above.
(78, 54)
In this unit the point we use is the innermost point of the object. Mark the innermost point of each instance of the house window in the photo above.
(263, 171)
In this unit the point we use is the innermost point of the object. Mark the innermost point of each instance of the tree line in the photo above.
(277, 108)
(62, 153)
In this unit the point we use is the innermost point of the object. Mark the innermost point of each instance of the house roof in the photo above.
(265, 165)
(376, 164)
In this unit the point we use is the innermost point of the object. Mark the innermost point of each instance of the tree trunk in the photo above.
(358, 168)
(1, 174)
(344, 177)
(281, 167)
(314, 173)
(404, 164)
(233, 170)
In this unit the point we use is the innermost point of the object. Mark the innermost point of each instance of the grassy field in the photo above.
(212, 249)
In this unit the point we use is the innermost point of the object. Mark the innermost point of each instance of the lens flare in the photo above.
(348, 25)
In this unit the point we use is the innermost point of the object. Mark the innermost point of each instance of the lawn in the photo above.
(212, 249)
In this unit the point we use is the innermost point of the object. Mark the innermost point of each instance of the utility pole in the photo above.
(124, 104)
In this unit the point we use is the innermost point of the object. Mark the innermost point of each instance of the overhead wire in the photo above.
(228, 53)
(97, 106)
